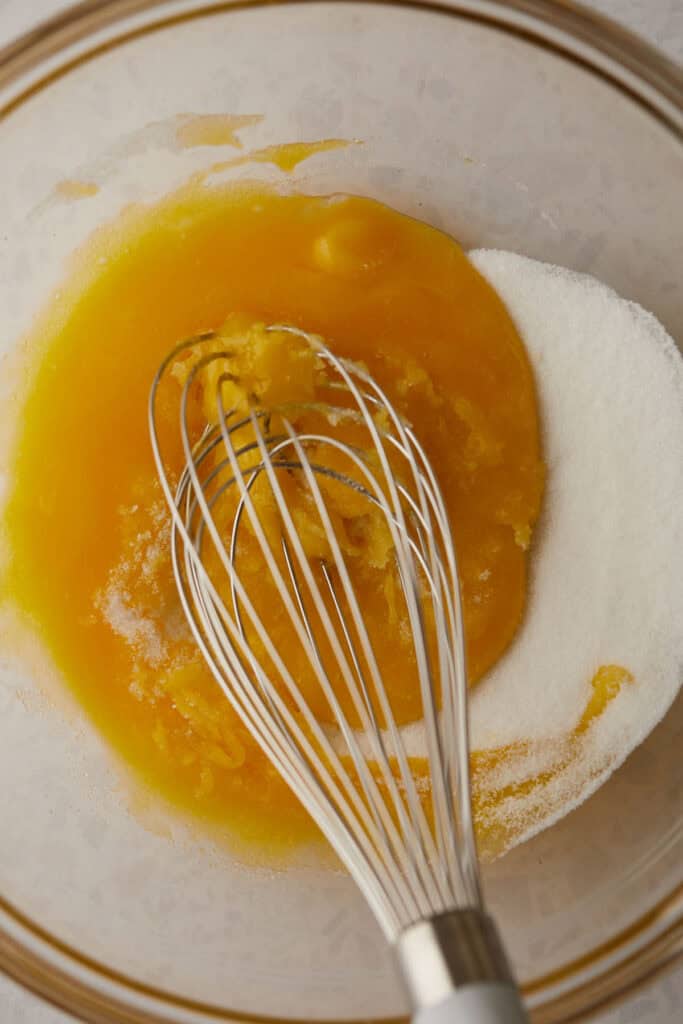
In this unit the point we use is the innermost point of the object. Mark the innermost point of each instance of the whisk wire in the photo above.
(319, 736)
(359, 703)
(418, 836)
(285, 743)
(219, 618)
(455, 697)
(393, 845)
(440, 801)
(406, 870)
(388, 775)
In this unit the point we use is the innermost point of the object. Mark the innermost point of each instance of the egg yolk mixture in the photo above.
(380, 288)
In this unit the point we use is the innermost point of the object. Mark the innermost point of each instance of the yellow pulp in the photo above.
(86, 521)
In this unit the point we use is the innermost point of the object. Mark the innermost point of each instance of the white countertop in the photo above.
(659, 21)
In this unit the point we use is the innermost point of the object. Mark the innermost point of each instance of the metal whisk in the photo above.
(413, 855)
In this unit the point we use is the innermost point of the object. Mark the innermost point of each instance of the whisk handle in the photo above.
(489, 1002)
(457, 972)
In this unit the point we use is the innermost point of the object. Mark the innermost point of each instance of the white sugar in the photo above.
(607, 582)
(145, 630)
(606, 575)
(125, 619)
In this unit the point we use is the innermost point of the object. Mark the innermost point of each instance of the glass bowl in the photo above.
(517, 124)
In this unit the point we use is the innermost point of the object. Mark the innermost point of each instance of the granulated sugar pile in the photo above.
(606, 582)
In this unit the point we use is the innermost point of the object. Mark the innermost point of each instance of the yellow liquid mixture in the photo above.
(379, 287)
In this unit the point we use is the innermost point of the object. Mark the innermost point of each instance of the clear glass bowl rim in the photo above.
(29, 954)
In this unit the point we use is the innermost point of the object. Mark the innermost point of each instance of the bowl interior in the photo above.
(500, 142)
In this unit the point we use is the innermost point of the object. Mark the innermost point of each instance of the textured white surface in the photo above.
(638, 419)
(661, 21)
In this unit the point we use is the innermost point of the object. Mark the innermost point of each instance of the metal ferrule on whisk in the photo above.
(454, 964)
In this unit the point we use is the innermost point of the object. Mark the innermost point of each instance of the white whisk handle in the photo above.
(457, 972)
(489, 1002)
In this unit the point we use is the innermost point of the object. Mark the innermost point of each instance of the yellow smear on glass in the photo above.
(286, 156)
(214, 129)
(72, 189)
